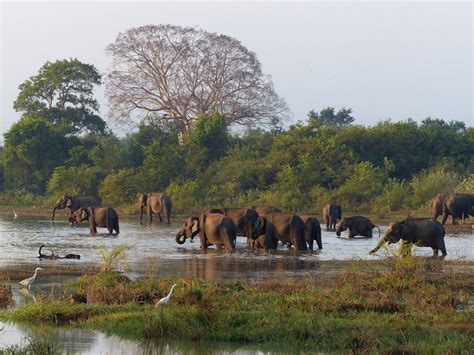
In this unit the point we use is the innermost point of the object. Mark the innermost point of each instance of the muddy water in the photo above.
(153, 250)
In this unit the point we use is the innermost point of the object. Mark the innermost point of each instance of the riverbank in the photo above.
(410, 305)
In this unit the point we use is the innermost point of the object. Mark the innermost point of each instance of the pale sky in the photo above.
(385, 60)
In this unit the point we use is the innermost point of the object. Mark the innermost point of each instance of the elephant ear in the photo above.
(68, 201)
(195, 226)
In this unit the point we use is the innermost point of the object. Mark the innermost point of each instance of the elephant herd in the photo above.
(265, 226)
(458, 206)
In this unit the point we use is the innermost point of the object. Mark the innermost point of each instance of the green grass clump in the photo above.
(398, 305)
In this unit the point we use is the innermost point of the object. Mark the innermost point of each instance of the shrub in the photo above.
(431, 182)
(396, 194)
(77, 180)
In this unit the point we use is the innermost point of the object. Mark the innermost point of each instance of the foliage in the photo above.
(431, 182)
(113, 259)
(63, 91)
(32, 150)
(328, 117)
(77, 180)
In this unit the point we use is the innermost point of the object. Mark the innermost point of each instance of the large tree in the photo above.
(62, 92)
(178, 73)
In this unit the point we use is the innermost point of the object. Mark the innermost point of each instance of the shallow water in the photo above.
(85, 341)
(153, 250)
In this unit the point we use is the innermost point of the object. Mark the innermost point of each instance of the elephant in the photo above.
(358, 225)
(419, 231)
(75, 202)
(213, 229)
(155, 202)
(436, 206)
(243, 218)
(259, 242)
(264, 211)
(284, 227)
(104, 217)
(312, 231)
(332, 213)
(458, 206)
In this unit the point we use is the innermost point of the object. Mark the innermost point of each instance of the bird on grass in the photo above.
(28, 281)
(14, 214)
(165, 300)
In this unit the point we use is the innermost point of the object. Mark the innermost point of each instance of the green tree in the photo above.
(32, 150)
(208, 142)
(329, 117)
(77, 180)
(63, 92)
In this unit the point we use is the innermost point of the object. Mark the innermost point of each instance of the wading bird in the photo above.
(27, 282)
(165, 300)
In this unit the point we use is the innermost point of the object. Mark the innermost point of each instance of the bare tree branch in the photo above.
(177, 73)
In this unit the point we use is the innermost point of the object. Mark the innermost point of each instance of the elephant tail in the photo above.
(39, 251)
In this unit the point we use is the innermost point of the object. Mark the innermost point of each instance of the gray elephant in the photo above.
(459, 206)
(422, 232)
(155, 202)
(73, 203)
(357, 225)
(312, 231)
(104, 217)
(264, 211)
(436, 206)
(285, 227)
(243, 218)
(332, 213)
(213, 229)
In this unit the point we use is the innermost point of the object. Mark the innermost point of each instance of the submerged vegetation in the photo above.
(411, 304)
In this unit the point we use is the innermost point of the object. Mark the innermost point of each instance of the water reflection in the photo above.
(74, 341)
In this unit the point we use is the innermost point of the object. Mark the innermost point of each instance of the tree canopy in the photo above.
(177, 73)
(62, 92)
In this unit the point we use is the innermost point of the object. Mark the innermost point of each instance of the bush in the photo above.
(431, 182)
(121, 188)
(364, 184)
(396, 195)
(466, 185)
(76, 180)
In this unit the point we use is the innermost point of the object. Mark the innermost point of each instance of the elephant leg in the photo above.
(310, 244)
(435, 251)
(351, 233)
(116, 227)
(453, 218)
(159, 217)
(149, 213)
(203, 240)
(442, 247)
(445, 218)
(369, 234)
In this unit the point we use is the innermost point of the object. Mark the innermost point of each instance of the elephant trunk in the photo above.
(181, 237)
(54, 210)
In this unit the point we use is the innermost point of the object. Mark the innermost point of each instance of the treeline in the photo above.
(381, 169)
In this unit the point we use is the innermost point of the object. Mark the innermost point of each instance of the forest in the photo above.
(212, 157)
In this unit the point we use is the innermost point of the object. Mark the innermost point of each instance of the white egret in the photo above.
(165, 300)
(14, 214)
(27, 282)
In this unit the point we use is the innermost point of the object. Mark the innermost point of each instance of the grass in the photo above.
(32, 345)
(400, 305)
(6, 298)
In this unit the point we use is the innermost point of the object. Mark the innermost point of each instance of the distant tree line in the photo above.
(61, 144)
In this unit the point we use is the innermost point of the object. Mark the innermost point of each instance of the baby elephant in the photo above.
(358, 225)
(104, 217)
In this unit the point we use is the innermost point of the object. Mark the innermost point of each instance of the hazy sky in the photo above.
(384, 60)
